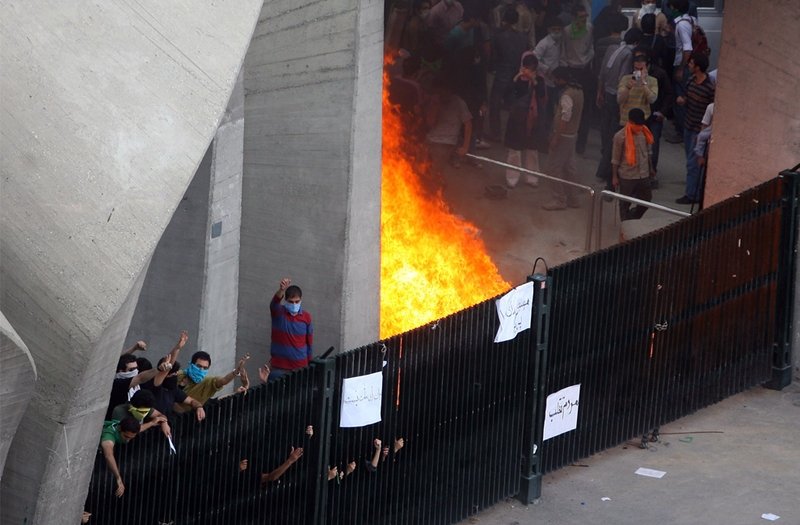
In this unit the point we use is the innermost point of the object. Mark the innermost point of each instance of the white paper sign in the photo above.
(361, 400)
(561, 411)
(514, 310)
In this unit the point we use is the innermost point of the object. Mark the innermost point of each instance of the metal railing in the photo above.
(590, 216)
(632, 200)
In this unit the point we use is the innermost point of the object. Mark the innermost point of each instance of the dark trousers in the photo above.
(656, 127)
(583, 75)
(609, 125)
(638, 189)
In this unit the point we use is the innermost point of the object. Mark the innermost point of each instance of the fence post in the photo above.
(323, 413)
(787, 260)
(531, 483)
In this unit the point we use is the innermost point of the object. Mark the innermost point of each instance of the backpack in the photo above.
(699, 39)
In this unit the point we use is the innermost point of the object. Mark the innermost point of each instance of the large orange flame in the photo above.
(433, 263)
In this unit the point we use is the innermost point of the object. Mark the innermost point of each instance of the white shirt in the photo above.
(683, 36)
(548, 51)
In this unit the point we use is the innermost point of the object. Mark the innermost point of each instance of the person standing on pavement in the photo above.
(616, 62)
(577, 52)
(630, 164)
(699, 94)
(561, 158)
(525, 131)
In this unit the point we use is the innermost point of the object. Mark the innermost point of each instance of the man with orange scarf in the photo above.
(630, 164)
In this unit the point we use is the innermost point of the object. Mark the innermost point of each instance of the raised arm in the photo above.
(143, 377)
(220, 382)
(140, 345)
(284, 284)
(294, 455)
(166, 367)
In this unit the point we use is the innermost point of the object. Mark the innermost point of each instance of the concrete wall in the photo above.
(192, 282)
(17, 382)
(107, 112)
(757, 109)
(311, 195)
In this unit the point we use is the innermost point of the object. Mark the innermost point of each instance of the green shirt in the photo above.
(111, 433)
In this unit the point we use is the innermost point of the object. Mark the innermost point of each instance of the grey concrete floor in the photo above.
(726, 464)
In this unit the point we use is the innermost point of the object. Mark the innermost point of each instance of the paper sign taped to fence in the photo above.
(361, 400)
(514, 310)
(561, 411)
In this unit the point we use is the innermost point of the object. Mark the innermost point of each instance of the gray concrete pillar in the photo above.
(107, 109)
(311, 195)
(192, 282)
(17, 383)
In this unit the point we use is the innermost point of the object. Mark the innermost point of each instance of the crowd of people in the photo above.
(533, 76)
(144, 396)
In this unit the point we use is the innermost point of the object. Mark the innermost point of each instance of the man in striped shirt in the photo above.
(699, 94)
(292, 333)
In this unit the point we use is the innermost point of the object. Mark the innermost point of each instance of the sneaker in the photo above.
(554, 206)
(685, 200)
(533, 183)
(511, 186)
(482, 144)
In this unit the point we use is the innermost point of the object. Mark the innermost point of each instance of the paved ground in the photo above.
(517, 230)
(727, 464)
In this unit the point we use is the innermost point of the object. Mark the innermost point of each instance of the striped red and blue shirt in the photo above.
(292, 337)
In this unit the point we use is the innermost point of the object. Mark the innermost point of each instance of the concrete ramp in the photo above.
(17, 381)
(107, 110)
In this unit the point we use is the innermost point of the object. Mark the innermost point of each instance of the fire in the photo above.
(433, 263)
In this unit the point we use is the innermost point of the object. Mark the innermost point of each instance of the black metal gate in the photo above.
(651, 330)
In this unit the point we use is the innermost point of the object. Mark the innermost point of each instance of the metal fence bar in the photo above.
(589, 189)
(632, 200)
(782, 360)
(652, 329)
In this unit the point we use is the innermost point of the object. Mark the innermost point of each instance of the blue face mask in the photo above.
(294, 308)
(196, 374)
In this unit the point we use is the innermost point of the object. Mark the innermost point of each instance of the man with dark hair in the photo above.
(126, 381)
(117, 433)
(617, 62)
(577, 52)
(167, 394)
(561, 157)
(507, 48)
(292, 331)
(683, 26)
(526, 133)
(196, 382)
(630, 164)
(699, 94)
(141, 408)
(658, 109)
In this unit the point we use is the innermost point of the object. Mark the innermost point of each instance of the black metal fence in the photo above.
(651, 330)
(657, 328)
